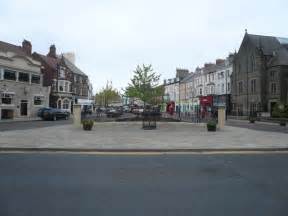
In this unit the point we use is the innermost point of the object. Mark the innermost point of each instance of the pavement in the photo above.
(258, 125)
(35, 124)
(128, 136)
(80, 184)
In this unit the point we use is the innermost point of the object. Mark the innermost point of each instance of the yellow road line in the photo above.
(147, 153)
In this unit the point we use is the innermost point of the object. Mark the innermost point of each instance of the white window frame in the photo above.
(61, 83)
(7, 95)
(62, 72)
(42, 99)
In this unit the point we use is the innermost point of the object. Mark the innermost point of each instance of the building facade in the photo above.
(260, 77)
(69, 85)
(21, 91)
(206, 88)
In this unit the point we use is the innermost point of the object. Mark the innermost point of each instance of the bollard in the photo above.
(77, 115)
(221, 117)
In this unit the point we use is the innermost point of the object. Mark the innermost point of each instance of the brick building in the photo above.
(68, 83)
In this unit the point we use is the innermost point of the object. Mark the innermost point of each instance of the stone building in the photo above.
(260, 74)
(21, 90)
(69, 85)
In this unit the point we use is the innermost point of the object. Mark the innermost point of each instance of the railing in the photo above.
(190, 117)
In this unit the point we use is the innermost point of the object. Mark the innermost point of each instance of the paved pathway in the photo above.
(25, 125)
(129, 135)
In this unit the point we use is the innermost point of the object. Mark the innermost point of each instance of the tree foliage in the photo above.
(145, 85)
(107, 95)
(280, 111)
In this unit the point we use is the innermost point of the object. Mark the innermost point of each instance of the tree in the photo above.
(145, 85)
(107, 95)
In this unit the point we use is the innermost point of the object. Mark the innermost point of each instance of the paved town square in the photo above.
(130, 135)
(143, 108)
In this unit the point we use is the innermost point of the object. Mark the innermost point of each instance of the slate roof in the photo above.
(52, 62)
(73, 67)
(268, 44)
(280, 57)
(188, 78)
(7, 47)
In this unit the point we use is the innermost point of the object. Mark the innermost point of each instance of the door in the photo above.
(24, 108)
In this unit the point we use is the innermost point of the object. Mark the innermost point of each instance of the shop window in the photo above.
(9, 75)
(35, 79)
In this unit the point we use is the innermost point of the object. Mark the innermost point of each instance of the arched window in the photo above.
(59, 104)
(66, 104)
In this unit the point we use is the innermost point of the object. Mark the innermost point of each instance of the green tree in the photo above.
(107, 95)
(145, 85)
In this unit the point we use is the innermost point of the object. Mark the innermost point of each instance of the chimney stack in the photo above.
(220, 61)
(52, 51)
(27, 47)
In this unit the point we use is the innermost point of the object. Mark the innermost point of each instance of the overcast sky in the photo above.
(110, 37)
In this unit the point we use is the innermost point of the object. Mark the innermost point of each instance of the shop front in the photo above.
(206, 105)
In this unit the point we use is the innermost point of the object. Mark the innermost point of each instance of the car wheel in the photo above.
(54, 118)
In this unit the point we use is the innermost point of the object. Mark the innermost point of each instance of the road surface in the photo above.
(76, 184)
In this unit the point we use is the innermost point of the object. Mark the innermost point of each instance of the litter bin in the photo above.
(149, 119)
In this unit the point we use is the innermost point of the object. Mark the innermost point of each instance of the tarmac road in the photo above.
(77, 184)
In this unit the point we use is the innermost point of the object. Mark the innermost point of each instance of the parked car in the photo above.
(113, 113)
(137, 110)
(126, 109)
(53, 114)
(41, 111)
(87, 109)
